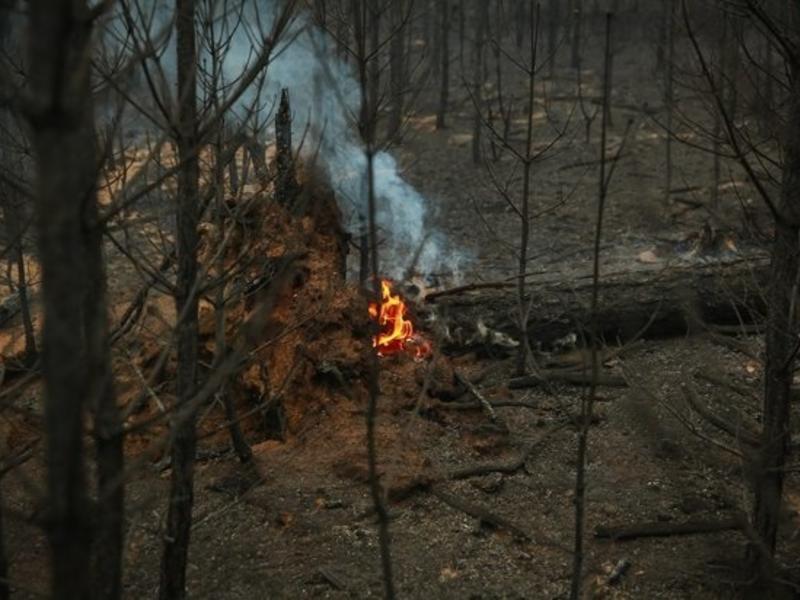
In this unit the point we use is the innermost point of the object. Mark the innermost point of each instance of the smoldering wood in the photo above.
(671, 301)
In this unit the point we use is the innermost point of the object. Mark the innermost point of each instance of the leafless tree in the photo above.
(767, 466)
(76, 363)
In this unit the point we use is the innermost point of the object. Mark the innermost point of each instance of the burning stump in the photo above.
(307, 338)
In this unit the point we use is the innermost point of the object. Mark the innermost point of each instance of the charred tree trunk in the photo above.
(374, 28)
(396, 70)
(661, 34)
(436, 50)
(61, 118)
(525, 224)
(577, 33)
(286, 182)
(13, 209)
(15, 230)
(462, 31)
(285, 179)
(732, 60)
(554, 16)
(719, 76)
(664, 302)
(519, 22)
(444, 88)
(781, 347)
(233, 167)
(5, 589)
(184, 435)
(481, 17)
(107, 432)
(669, 95)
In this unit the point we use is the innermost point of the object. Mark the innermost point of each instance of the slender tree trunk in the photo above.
(554, 16)
(374, 28)
(525, 222)
(285, 182)
(781, 347)
(519, 22)
(184, 435)
(368, 136)
(767, 105)
(12, 215)
(436, 50)
(481, 20)
(62, 133)
(462, 31)
(396, 70)
(286, 186)
(12, 207)
(734, 38)
(719, 75)
(661, 34)
(669, 95)
(577, 33)
(107, 432)
(5, 589)
(444, 89)
(587, 403)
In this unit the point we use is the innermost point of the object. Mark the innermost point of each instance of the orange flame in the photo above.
(396, 330)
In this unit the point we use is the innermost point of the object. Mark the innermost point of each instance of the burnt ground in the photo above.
(299, 522)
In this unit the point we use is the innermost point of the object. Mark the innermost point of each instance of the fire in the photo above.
(396, 330)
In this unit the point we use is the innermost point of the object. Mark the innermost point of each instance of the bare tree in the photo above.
(74, 338)
(767, 465)
(444, 87)
(184, 436)
(481, 23)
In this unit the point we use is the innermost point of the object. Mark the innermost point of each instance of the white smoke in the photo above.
(325, 99)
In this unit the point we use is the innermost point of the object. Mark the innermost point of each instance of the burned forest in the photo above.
(399, 299)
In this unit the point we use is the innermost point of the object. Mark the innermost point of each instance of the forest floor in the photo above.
(299, 522)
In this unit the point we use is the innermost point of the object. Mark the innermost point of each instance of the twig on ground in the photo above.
(487, 407)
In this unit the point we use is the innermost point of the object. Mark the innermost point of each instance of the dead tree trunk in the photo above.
(107, 432)
(61, 118)
(661, 34)
(15, 231)
(5, 590)
(523, 307)
(444, 88)
(554, 16)
(285, 179)
(781, 342)
(717, 130)
(12, 206)
(285, 182)
(664, 302)
(184, 435)
(669, 95)
(577, 33)
(396, 70)
(481, 17)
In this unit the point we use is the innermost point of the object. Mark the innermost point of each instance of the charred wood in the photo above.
(672, 301)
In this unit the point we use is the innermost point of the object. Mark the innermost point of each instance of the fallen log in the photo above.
(659, 529)
(571, 378)
(667, 301)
